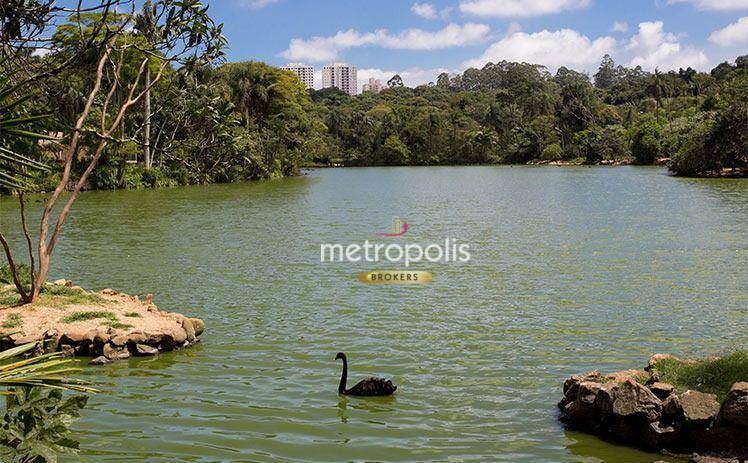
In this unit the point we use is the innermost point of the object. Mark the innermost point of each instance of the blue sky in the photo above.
(420, 39)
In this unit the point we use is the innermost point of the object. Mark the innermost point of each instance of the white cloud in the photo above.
(425, 10)
(412, 77)
(733, 34)
(715, 5)
(319, 49)
(519, 8)
(257, 4)
(652, 48)
(620, 26)
(565, 47)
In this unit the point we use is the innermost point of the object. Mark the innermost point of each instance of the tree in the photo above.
(395, 81)
(607, 74)
(646, 142)
(443, 80)
(188, 36)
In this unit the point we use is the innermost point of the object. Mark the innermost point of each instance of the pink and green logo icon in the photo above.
(399, 228)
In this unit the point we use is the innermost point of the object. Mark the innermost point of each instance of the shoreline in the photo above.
(656, 410)
(106, 325)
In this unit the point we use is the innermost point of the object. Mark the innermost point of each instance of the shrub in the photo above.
(646, 142)
(714, 376)
(552, 152)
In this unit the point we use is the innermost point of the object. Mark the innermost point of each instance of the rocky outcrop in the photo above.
(654, 416)
(108, 326)
(735, 408)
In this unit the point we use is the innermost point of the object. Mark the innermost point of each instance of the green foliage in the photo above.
(13, 320)
(711, 375)
(646, 142)
(706, 144)
(394, 151)
(117, 325)
(35, 426)
(132, 315)
(15, 135)
(89, 315)
(552, 152)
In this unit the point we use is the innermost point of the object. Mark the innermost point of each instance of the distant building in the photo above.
(305, 73)
(373, 86)
(341, 76)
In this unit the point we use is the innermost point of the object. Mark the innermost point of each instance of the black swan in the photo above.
(366, 387)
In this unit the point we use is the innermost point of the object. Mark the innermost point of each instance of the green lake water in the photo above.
(572, 269)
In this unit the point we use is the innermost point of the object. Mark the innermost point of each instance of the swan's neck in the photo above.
(343, 377)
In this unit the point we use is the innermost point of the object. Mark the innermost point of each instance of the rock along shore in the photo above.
(635, 408)
(106, 325)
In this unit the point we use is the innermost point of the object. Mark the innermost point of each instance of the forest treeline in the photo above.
(241, 121)
(518, 113)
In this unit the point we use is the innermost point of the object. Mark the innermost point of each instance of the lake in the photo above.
(571, 269)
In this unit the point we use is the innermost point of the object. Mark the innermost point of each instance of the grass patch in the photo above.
(68, 296)
(9, 298)
(714, 376)
(13, 320)
(117, 325)
(90, 315)
(132, 314)
(53, 295)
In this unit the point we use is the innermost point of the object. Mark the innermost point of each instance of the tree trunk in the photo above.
(147, 117)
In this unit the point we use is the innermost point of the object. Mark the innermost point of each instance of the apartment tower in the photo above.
(341, 76)
(305, 73)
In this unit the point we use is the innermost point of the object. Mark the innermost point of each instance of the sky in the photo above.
(421, 39)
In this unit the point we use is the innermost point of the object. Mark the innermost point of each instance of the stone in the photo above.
(119, 340)
(699, 408)
(735, 406)
(661, 390)
(108, 292)
(671, 407)
(21, 338)
(73, 336)
(657, 435)
(588, 392)
(621, 376)
(189, 329)
(632, 399)
(137, 337)
(67, 350)
(101, 360)
(97, 336)
(60, 282)
(578, 413)
(145, 350)
(199, 326)
(110, 351)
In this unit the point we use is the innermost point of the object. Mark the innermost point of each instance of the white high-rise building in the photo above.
(305, 73)
(341, 76)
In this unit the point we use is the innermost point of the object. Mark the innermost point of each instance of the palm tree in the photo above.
(255, 94)
(14, 165)
(48, 370)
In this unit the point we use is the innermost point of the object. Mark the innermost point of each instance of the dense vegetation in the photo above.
(243, 121)
(519, 113)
